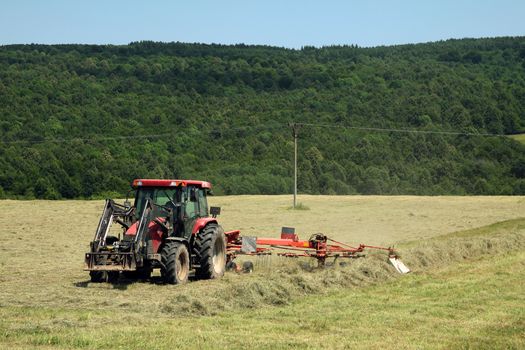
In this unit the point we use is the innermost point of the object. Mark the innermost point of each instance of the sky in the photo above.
(291, 24)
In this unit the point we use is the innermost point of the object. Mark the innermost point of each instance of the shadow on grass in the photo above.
(122, 282)
(82, 284)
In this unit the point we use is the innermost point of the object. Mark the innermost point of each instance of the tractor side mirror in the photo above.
(214, 211)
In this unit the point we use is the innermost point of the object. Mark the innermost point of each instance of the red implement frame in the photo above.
(317, 246)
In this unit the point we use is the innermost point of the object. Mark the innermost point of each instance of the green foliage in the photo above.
(220, 113)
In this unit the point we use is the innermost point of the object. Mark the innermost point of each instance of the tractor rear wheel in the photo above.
(210, 252)
(176, 263)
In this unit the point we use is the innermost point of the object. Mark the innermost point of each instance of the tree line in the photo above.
(81, 121)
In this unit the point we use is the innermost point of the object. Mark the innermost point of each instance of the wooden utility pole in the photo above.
(295, 132)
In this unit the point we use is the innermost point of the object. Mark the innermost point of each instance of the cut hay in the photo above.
(291, 279)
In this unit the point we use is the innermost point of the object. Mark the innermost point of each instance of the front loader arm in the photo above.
(126, 254)
(112, 211)
(144, 221)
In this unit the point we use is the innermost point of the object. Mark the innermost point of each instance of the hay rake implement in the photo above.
(318, 246)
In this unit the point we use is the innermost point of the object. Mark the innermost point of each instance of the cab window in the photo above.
(203, 204)
(191, 202)
(160, 196)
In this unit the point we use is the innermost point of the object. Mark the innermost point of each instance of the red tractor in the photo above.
(168, 227)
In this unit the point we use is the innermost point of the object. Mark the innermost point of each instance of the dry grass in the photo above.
(371, 219)
(42, 244)
(476, 304)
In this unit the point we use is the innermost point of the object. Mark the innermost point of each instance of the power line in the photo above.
(411, 131)
(262, 127)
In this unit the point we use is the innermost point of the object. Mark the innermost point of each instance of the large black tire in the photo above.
(103, 276)
(113, 276)
(98, 276)
(210, 252)
(176, 263)
(142, 273)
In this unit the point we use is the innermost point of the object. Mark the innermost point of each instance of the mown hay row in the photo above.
(281, 283)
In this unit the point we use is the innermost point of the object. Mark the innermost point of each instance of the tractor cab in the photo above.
(181, 202)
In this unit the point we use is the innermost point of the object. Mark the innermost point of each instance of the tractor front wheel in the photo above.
(210, 252)
(102, 276)
(98, 276)
(176, 263)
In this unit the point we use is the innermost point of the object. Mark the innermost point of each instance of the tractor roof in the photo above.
(169, 183)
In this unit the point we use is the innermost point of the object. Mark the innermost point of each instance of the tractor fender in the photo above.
(154, 233)
(201, 223)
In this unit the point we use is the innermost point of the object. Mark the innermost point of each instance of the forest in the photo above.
(82, 121)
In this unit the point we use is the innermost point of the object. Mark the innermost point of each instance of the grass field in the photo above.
(467, 289)
(371, 219)
(519, 137)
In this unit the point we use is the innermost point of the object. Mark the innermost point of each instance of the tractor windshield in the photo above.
(160, 196)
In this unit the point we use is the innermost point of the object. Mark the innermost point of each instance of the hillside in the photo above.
(83, 120)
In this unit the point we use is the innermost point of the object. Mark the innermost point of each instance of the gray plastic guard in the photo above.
(249, 244)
